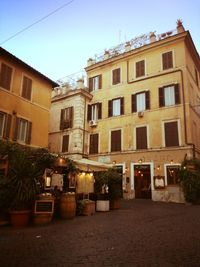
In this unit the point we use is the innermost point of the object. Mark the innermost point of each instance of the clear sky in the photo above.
(62, 43)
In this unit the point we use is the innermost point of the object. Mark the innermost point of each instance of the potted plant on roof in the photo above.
(101, 190)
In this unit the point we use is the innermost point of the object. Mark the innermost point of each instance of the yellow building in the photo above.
(25, 99)
(145, 112)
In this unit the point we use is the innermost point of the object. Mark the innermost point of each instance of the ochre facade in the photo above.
(25, 99)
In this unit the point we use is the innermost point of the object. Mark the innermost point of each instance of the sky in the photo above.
(60, 44)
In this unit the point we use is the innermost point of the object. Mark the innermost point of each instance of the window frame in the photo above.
(134, 101)
(93, 149)
(65, 144)
(28, 131)
(110, 107)
(26, 87)
(4, 80)
(147, 136)
(138, 72)
(161, 95)
(114, 143)
(6, 125)
(90, 114)
(66, 123)
(177, 165)
(116, 76)
(168, 66)
(92, 83)
(178, 133)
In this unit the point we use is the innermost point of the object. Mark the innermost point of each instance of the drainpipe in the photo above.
(183, 94)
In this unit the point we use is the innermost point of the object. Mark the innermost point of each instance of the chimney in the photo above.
(80, 83)
(106, 54)
(179, 26)
(90, 62)
(152, 37)
(127, 46)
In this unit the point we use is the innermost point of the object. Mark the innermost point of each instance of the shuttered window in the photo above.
(141, 101)
(116, 107)
(171, 134)
(66, 118)
(26, 88)
(94, 143)
(5, 76)
(95, 83)
(141, 137)
(116, 141)
(167, 60)
(94, 111)
(140, 68)
(65, 143)
(116, 76)
(23, 131)
(5, 124)
(169, 95)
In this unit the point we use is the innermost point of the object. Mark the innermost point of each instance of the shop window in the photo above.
(115, 140)
(172, 174)
(94, 143)
(66, 118)
(5, 76)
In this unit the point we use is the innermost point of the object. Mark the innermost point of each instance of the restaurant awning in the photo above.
(91, 165)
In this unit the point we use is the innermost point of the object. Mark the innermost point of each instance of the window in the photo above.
(115, 140)
(167, 60)
(172, 174)
(116, 107)
(140, 68)
(94, 111)
(5, 76)
(23, 131)
(94, 143)
(66, 118)
(116, 76)
(169, 95)
(171, 134)
(26, 88)
(5, 124)
(65, 143)
(141, 101)
(141, 137)
(95, 83)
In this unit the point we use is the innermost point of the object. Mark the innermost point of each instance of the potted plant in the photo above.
(20, 186)
(115, 188)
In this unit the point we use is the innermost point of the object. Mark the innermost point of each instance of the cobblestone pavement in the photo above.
(141, 233)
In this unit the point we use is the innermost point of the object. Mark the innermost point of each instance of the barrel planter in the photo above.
(68, 206)
(20, 218)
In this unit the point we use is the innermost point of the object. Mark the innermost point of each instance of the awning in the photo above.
(91, 165)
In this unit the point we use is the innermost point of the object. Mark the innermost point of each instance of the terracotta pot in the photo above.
(20, 218)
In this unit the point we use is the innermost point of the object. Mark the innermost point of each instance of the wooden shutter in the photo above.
(89, 114)
(134, 106)
(161, 97)
(5, 76)
(141, 137)
(17, 121)
(99, 105)
(90, 84)
(140, 71)
(177, 94)
(94, 143)
(122, 106)
(26, 88)
(100, 81)
(29, 132)
(71, 117)
(167, 60)
(62, 119)
(171, 134)
(116, 76)
(110, 108)
(6, 133)
(147, 99)
(65, 143)
(116, 140)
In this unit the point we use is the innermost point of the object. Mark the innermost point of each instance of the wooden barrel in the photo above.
(68, 206)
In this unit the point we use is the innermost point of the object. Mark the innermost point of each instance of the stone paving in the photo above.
(142, 233)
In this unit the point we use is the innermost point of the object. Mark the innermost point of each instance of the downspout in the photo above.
(83, 150)
(183, 93)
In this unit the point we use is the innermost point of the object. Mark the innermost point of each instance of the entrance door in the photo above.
(142, 181)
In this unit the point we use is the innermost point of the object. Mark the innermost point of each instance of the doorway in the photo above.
(142, 181)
